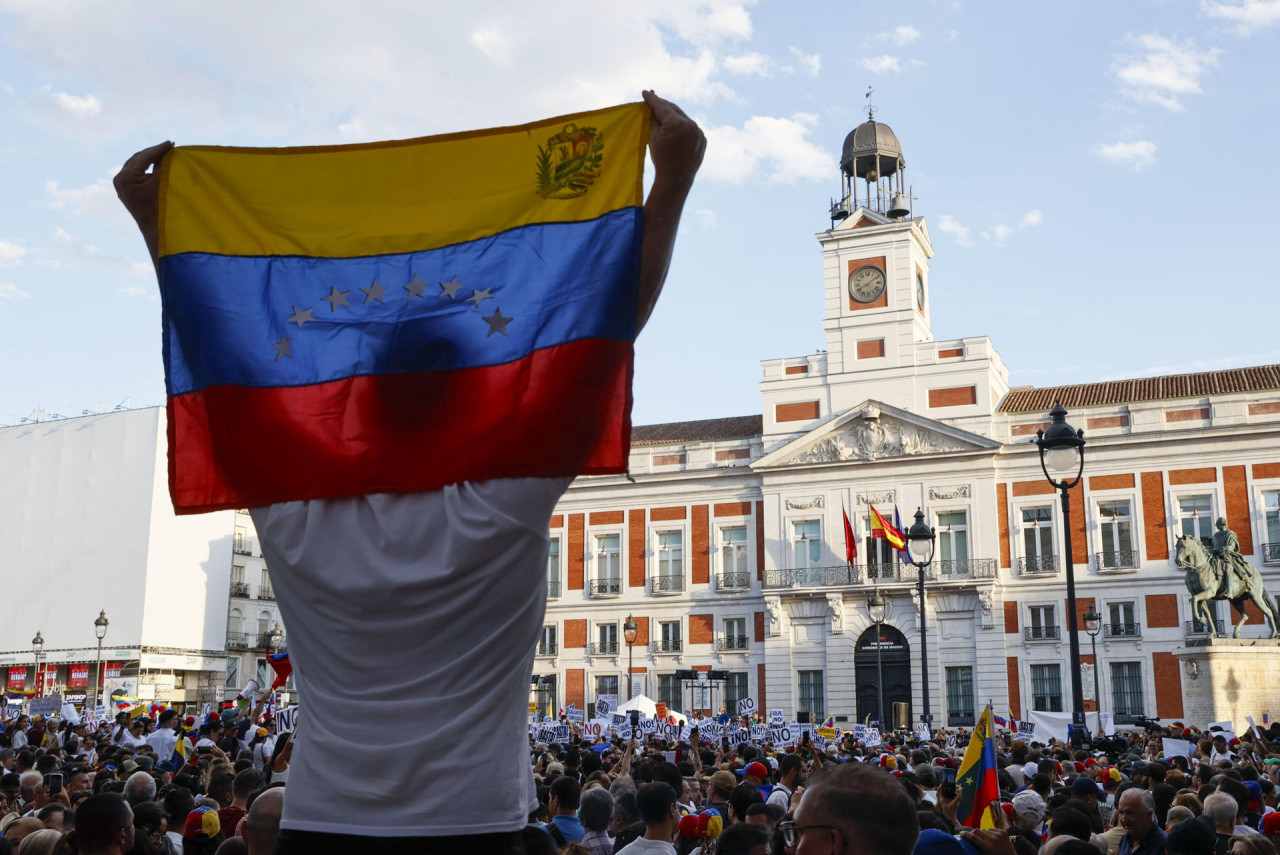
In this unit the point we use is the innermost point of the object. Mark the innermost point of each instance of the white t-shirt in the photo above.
(641, 846)
(162, 742)
(419, 609)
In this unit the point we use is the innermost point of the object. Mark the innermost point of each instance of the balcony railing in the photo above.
(553, 588)
(812, 577)
(238, 640)
(604, 648)
(1042, 633)
(669, 645)
(241, 547)
(1037, 565)
(732, 642)
(1124, 559)
(266, 592)
(239, 589)
(1271, 553)
(733, 581)
(893, 571)
(606, 587)
(666, 584)
(547, 648)
(961, 720)
(1122, 630)
(1199, 627)
(962, 568)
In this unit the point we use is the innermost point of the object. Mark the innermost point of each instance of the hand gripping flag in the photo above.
(400, 316)
(976, 781)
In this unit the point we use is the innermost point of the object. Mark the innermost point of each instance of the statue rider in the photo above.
(1227, 547)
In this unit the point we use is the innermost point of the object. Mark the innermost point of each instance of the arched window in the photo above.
(235, 623)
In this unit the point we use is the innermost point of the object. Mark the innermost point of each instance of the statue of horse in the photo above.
(1205, 574)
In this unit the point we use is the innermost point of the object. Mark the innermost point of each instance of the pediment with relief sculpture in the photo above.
(871, 432)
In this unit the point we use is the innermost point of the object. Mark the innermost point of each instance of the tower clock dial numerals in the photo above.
(866, 284)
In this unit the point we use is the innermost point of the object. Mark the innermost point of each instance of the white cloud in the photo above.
(136, 291)
(1031, 219)
(95, 201)
(1164, 70)
(1137, 155)
(77, 105)
(951, 226)
(1249, 16)
(64, 252)
(779, 147)
(707, 218)
(999, 232)
(880, 64)
(747, 64)
(10, 292)
(810, 63)
(903, 35)
(493, 43)
(11, 253)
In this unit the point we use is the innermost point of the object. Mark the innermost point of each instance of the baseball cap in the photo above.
(202, 822)
(1084, 787)
(758, 770)
(724, 781)
(1271, 824)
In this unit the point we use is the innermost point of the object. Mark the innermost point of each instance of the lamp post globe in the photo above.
(1062, 451)
(1093, 625)
(920, 542)
(99, 630)
(100, 625)
(37, 644)
(629, 631)
(277, 639)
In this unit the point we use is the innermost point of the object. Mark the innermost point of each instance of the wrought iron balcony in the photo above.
(961, 720)
(238, 640)
(962, 568)
(1037, 565)
(241, 547)
(606, 587)
(1043, 633)
(1123, 559)
(891, 571)
(266, 592)
(666, 584)
(553, 588)
(239, 589)
(732, 642)
(1122, 630)
(733, 581)
(547, 648)
(670, 645)
(1199, 627)
(1271, 553)
(812, 577)
(604, 648)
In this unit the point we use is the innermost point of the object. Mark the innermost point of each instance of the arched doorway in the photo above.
(882, 650)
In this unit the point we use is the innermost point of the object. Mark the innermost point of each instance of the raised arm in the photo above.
(139, 190)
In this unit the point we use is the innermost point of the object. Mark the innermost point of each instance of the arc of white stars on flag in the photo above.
(416, 287)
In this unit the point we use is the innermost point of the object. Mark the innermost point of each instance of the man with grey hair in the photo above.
(1142, 834)
(140, 787)
(594, 812)
(860, 807)
(1221, 809)
(262, 825)
(32, 791)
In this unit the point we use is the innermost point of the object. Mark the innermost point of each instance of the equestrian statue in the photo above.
(1220, 572)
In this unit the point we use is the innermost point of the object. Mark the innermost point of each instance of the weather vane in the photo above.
(871, 108)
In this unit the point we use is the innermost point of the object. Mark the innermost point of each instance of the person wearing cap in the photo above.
(1271, 828)
(202, 832)
(721, 785)
(1085, 791)
(756, 774)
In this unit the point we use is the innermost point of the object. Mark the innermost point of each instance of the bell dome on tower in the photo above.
(872, 155)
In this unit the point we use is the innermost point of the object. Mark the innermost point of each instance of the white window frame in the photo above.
(966, 528)
(655, 542)
(618, 642)
(886, 555)
(1136, 618)
(723, 545)
(554, 576)
(1262, 488)
(1097, 543)
(1055, 525)
(1187, 492)
(553, 630)
(1032, 608)
(794, 538)
(746, 630)
(599, 562)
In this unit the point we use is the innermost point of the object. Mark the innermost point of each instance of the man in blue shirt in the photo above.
(1142, 835)
(566, 794)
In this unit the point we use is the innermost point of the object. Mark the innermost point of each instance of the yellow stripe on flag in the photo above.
(402, 196)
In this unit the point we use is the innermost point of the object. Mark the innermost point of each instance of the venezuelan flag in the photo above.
(976, 780)
(1003, 722)
(881, 527)
(400, 316)
(830, 722)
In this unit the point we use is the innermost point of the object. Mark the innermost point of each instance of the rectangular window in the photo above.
(608, 635)
(1195, 517)
(806, 536)
(811, 695)
(546, 695)
(1046, 688)
(1126, 687)
(1043, 624)
(553, 568)
(735, 633)
(264, 591)
(1116, 531)
(733, 554)
(669, 630)
(1037, 537)
(735, 689)
(233, 673)
(960, 693)
(237, 574)
(609, 563)
(1121, 621)
(670, 553)
(882, 559)
(669, 692)
(547, 642)
(606, 686)
(953, 539)
(1271, 523)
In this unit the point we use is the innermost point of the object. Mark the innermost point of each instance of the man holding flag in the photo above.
(394, 495)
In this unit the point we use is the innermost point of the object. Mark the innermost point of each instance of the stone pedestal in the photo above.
(1226, 679)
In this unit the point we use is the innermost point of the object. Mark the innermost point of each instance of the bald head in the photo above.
(263, 823)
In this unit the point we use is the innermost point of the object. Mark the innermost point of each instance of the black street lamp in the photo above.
(920, 541)
(100, 630)
(876, 609)
(1062, 450)
(629, 630)
(1092, 625)
(37, 644)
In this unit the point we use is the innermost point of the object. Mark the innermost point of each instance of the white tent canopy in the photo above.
(649, 707)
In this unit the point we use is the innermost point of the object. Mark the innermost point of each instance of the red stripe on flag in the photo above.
(560, 411)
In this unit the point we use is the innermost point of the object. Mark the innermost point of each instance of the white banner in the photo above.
(1048, 725)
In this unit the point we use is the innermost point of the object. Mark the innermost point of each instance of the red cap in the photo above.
(1079, 766)
(758, 770)
(1271, 824)
(1091, 762)
(689, 826)
(1008, 810)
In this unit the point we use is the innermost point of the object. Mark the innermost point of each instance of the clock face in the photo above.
(920, 291)
(866, 284)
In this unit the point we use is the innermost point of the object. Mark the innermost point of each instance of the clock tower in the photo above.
(878, 309)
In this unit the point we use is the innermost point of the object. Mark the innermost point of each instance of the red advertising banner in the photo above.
(111, 669)
(78, 677)
(18, 678)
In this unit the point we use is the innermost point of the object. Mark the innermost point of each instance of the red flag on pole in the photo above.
(850, 542)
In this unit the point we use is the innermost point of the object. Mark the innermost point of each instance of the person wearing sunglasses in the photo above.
(853, 808)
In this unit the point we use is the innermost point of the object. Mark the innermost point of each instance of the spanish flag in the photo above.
(881, 527)
(976, 781)
(400, 316)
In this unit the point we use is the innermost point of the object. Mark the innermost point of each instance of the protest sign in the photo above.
(648, 725)
(951, 742)
(563, 733)
(758, 732)
(69, 713)
(780, 736)
(575, 715)
(746, 706)
(46, 706)
(287, 719)
(605, 705)
(1026, 732)
(533, 707)
(922, 731)
(660, 710)
(829, 732)
(871, 737)
(593, 729)
(1252, 726)
(1177, 747)
(617, 721)
(777, 718)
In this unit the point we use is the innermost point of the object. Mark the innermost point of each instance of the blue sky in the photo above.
(1098, 178)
